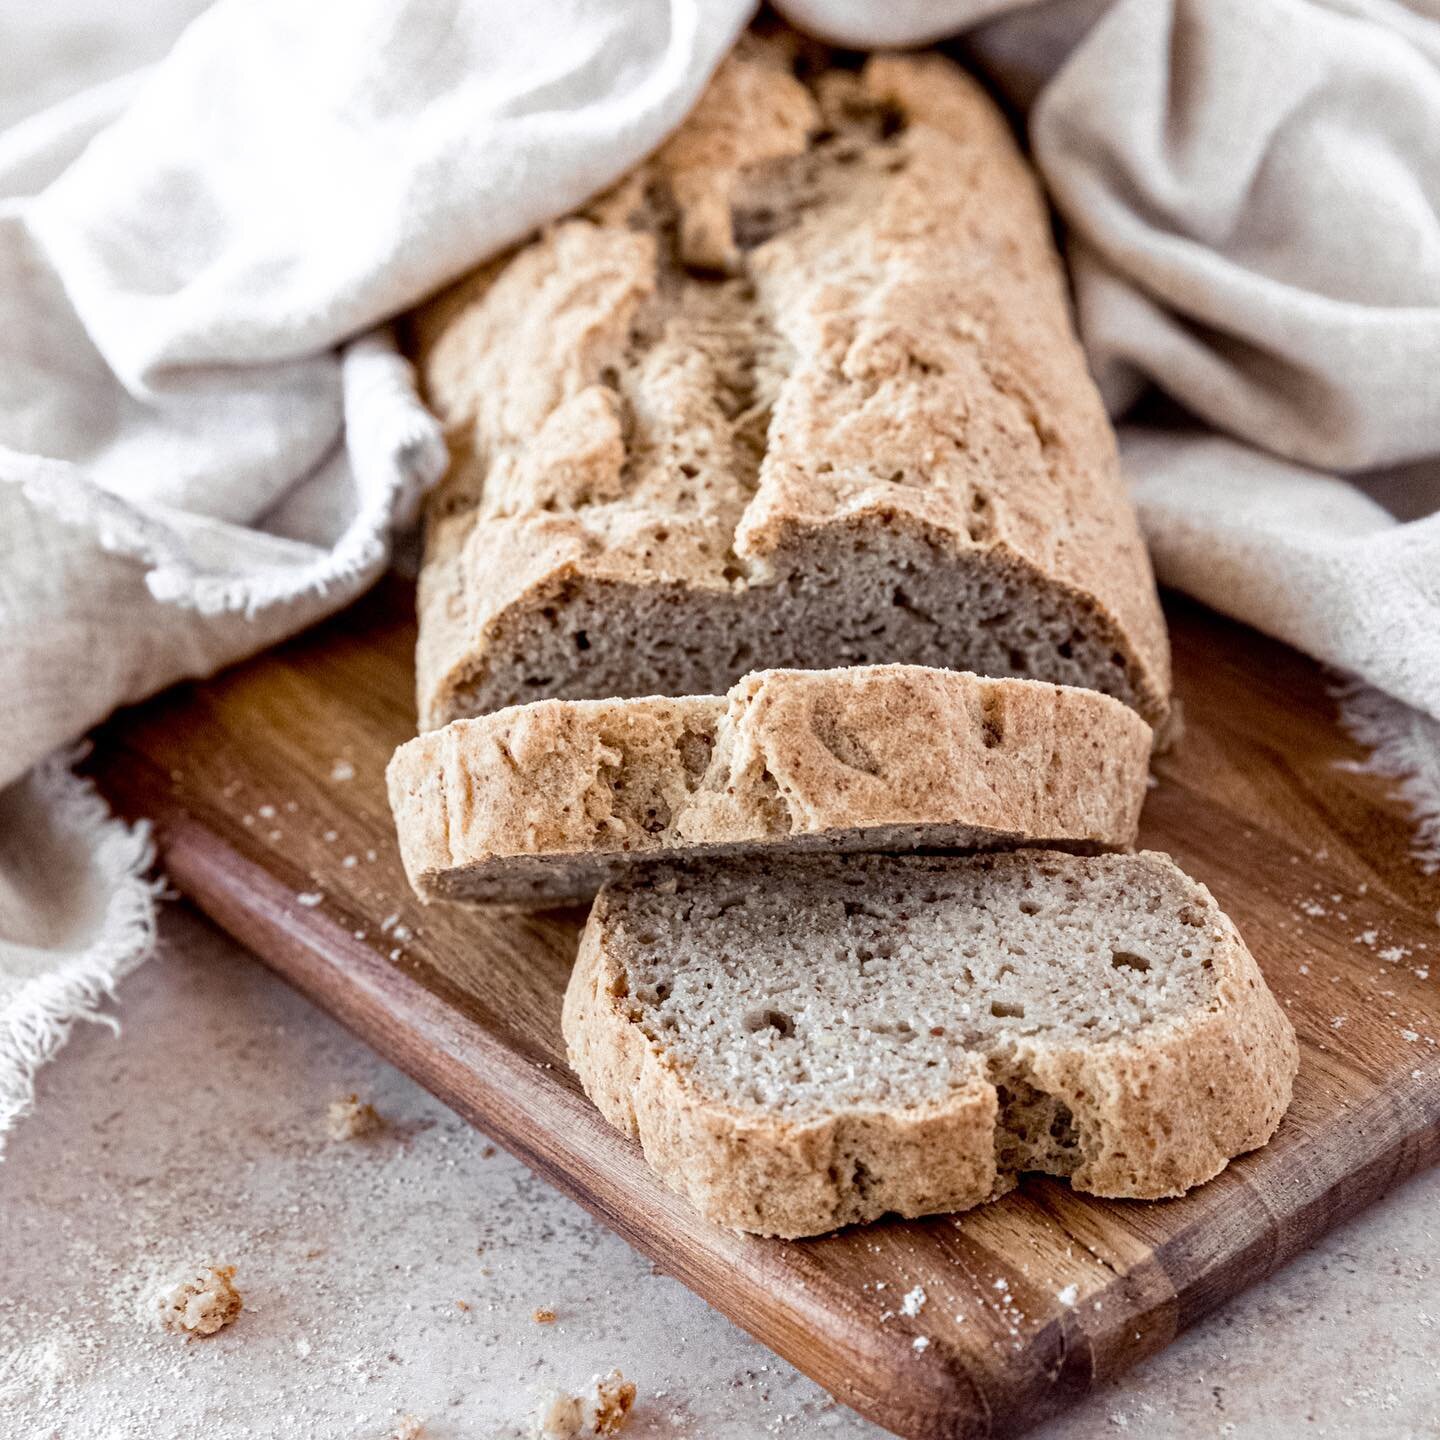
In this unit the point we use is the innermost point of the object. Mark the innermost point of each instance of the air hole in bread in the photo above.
(768, 1019)
(893, 121)
(1129, 960)
(992, 718)
(859, 907)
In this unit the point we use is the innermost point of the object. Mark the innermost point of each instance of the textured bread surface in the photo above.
(805, 1045)
(541, 803)
(800, 392)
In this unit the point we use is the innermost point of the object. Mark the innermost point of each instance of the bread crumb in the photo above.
(544, 1316)
(309, 899)
(198, 1301)
(350, 1118)
(608, 1402)
(604, 1409)
(408, 1427)
(341, 771)
(462, 1304)
(1068, 1295)
(920, 1342)
(914, 1302)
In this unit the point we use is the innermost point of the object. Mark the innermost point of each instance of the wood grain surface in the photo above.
(266, 786)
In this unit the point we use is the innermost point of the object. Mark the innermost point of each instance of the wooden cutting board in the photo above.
(266, 786)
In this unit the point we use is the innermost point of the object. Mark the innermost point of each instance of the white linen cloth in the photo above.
(205, 440)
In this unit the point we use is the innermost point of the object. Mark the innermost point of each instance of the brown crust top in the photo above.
(588, 786)
(1159, 1113)
(845, 312)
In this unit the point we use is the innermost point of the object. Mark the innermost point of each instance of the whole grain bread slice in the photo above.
(807, 1044)
(800, 392)
(540, 804)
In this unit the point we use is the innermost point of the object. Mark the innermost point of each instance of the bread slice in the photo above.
(541, 803)
(801, 392)
(806, 1044)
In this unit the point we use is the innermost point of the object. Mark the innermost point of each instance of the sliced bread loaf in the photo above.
(804, 1045)
(541, 803)
(801, 391)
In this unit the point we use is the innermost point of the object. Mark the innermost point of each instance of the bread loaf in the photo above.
(807, 1045)
(801, 391)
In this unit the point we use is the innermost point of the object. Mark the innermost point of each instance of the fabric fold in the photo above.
(1253, 192)
(77, 914)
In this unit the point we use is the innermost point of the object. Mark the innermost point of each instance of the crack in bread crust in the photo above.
(798, 392)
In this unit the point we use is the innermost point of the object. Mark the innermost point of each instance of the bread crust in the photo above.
(1156, 1115)
(837, 341)
(541, 803)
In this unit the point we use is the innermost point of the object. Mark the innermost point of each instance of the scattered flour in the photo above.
(30, 1375)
